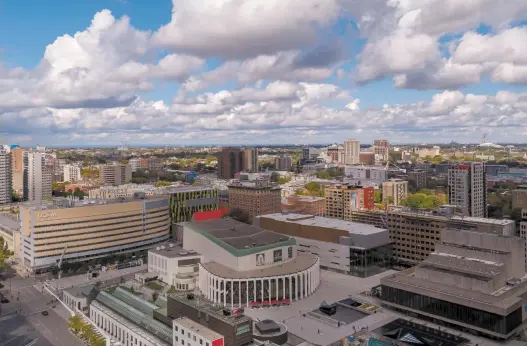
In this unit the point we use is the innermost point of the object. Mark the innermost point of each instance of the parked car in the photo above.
(45, 313)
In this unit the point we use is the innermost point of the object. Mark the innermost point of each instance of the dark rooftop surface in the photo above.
(416, 334)
(9, 222)
(238, 234)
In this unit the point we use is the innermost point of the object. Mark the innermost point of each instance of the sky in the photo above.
(234, 72)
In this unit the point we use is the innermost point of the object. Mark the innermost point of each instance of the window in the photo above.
(182, 342)
(188, 335)
(176, 339)
(206, 344)
(175, 328)
(201, 341)
(182, 331)
(194, 337)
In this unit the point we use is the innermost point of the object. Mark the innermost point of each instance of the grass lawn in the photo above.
(154, 285)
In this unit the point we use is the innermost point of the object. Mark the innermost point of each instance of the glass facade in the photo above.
(456, 312)
(368, 262)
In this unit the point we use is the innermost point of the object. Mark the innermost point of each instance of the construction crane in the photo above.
(60, 260)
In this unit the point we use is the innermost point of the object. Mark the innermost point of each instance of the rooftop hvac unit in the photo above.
(162, 247)
(158, 248)
(191, 251)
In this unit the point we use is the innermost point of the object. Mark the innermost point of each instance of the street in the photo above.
(22, 322)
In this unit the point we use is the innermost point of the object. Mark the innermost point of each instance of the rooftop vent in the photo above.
(171, 245)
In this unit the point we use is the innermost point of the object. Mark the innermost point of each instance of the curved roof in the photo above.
(302, 262)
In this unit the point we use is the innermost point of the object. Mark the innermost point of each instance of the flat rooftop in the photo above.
(172, 250)
(302, 262)
(65, 203)
(80, 292)
(238, 235)
(483, 220)
(9, 222)
(198, 328)
(325, 222)
(208, 307)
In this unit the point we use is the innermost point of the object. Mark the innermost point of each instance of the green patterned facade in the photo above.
(184, 203)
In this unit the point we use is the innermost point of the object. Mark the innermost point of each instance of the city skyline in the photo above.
(320, 72)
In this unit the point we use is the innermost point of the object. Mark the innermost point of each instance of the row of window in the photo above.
(136, 218)
(64, 238)
(176, 338)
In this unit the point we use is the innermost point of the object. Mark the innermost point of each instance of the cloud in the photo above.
(237, 29)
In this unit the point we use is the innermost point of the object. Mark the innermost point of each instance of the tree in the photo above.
(377, 196)
(240, 215)
(76, 323)
(14, 196)
(78, 193)
(162, 183)
(175, 166)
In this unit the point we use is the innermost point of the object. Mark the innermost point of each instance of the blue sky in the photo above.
(256, 71)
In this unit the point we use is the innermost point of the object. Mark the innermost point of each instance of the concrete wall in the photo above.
(331, 255)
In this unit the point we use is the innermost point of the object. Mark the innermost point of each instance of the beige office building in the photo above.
(396, 189)
(18, 169)
(115, 174)
(351, 152)
(250, 159)
(80, 231)
(414, 235)
(255, 198)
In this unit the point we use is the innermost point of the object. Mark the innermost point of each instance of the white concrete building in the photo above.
(39, 177)
(396, 189)
(5, 175)
(175, 266)
(244, 264)
(72, 173)
(190, 333)
(351, 152)
(135, 164)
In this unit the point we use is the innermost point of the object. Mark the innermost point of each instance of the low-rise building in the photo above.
(472, 281)
(190, 333)
(418, 177)
(235, 329)
(175, 266)
(115, 174)
(255, 198)
(341, 200)
(72, 173)
(343, 246)
(396, 189)
(377, 174)
(10, 232)
(79, 298)
(414, 235)
(519, 197)
(309, 205)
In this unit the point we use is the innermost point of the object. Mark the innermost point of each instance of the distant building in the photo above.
(472, 281)
(151, 163)
(39, 177)
(283, 163)
(424, 152)
(115, 174)
(395, 188)
(230, 162)
(72, 173)
(367, 158)
(495, 170)
(135, 164)
(377, 174)
(413, 235)
(341, 200)
(255, 198)
(467, 188)
(5, 175)
(344, 247)
(519, 197)
(418, 177)
(19, 171)
(336, 153)
(351, 152)
(381, 149)
(309, 205)
(442, 168)
(250, 159)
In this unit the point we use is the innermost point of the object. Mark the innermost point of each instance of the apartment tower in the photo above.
(115, 174)
(396, 189)
(381, 149)
(5, 175)
(250, 159)
(230, 162)
(467, 188)
(39, 177)
(351, 152)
